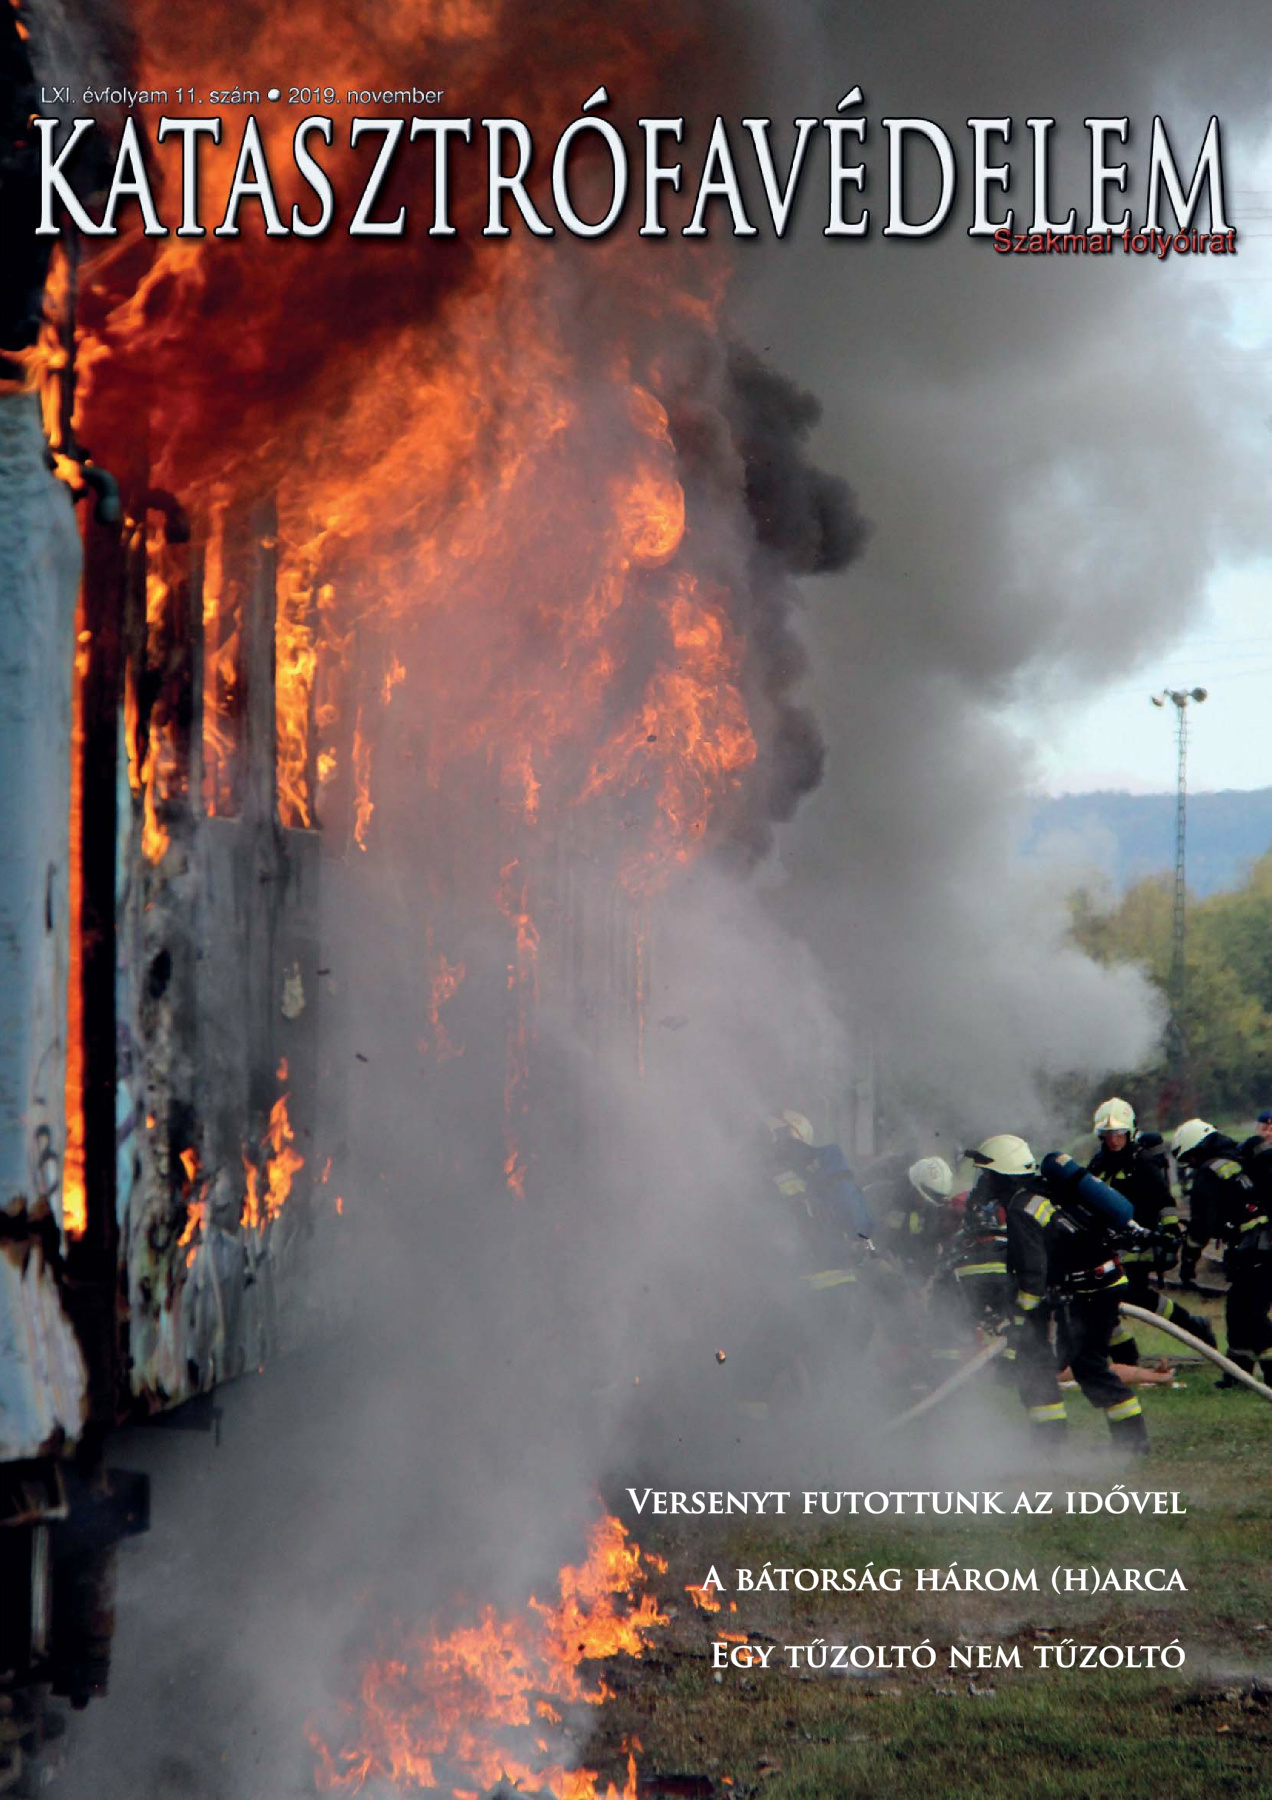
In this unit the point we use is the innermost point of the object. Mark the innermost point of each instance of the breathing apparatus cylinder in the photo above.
(1085, 1196)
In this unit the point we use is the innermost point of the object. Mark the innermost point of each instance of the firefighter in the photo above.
(1136, 1165)
(1226, 1204)
(817, 1184)
(1062, 1261)
(910, 1204)
(833, 1226)
(1255, 1155)
(974, 1263)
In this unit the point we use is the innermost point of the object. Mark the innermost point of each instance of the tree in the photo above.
(1227, 1019)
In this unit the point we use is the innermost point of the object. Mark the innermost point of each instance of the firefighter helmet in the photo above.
(1005, 1155)
(1114, 1115)
(932, 1177)
(795, 1123)
(1188, 1135)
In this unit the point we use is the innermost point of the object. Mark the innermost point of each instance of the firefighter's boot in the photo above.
(1197, 1323)
(1128, 1434)
(1243, 1362)
(1049, 1429)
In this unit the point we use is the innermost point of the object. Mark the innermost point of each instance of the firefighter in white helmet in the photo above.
(910, 1204)
(1061, 1263)
(974, 1262)
(1136, 1165)
(933, 1178)
(907, 1201)
(792, 1124)
(1224, 1203)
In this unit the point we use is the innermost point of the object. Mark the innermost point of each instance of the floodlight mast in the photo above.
(1177, 1101)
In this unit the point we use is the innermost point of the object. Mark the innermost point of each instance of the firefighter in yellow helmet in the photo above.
(820, 1197)
(1136, 1165)
(1062, 1263)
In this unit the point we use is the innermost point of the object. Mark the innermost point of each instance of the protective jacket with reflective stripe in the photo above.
(1030, 1226)
(1140, 1172)
(1224, 1202)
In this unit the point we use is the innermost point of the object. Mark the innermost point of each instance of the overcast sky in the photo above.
(1065, 463)
(1119, 740)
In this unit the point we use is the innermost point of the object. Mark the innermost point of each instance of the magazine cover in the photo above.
(635, 900)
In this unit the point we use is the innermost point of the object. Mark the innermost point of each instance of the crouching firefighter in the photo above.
(1062, 1229)
(1226, 1204)
(1136, 1165)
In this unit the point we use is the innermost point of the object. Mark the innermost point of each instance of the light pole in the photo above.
(1177, 1100)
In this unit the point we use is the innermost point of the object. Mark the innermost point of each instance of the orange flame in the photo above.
(196, 1214)
(296, 662)
(461, 1708)
(154, 837)
(282, 1164)
(703, 1599)
(394, 676)
(414, 485)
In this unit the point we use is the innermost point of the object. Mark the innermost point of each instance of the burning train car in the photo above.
(163, 1226)
(504, 586)
(162, 1222)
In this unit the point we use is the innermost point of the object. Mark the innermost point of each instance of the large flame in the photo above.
(479, 462)
(502, 579)
(457, 1712)
(491, 568)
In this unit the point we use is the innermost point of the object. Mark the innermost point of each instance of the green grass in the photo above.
(1081, 1741)
(1205, 1731)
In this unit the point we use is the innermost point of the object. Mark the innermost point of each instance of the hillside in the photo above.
(1128, 836)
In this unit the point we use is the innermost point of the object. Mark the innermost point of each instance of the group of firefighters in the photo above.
(1043, 1253)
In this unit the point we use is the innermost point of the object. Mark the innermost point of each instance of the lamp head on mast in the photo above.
(1178, 697)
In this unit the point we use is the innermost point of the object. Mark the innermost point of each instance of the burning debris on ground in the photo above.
(499, 1702)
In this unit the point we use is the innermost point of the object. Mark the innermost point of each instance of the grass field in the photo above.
(953, 1735)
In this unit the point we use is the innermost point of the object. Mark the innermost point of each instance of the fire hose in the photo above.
(963, 1373)
(995, 1348)
(1194, 1343)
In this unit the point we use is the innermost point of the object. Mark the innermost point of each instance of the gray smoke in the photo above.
(1054, 455)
